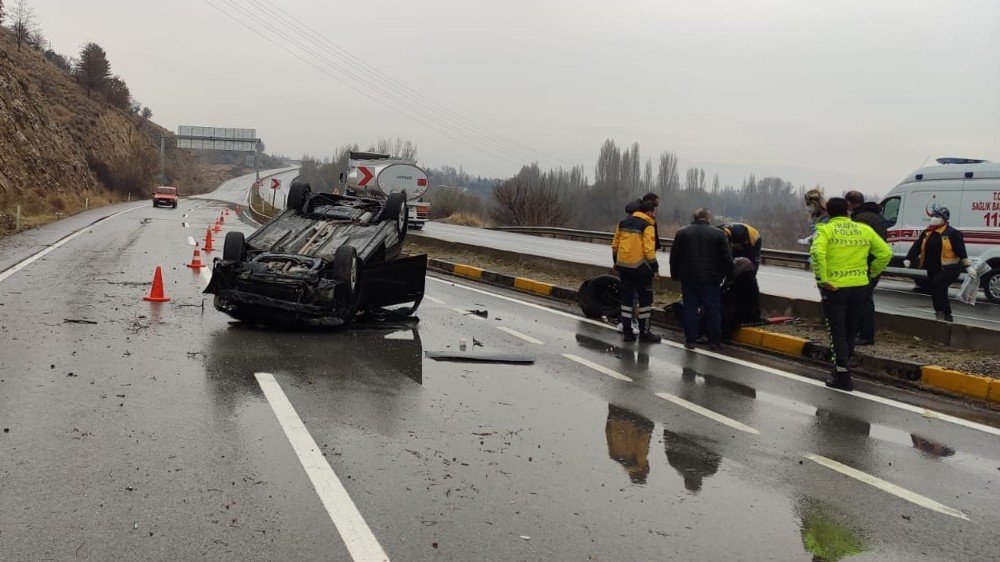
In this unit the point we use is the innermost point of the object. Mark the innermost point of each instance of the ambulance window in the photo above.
(890, 210)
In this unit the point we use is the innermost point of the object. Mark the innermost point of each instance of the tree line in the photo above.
(566, 198)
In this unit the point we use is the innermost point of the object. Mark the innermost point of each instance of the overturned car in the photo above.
(322, 261)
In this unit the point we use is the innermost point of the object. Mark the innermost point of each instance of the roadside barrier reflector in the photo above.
(156, 292)
(196, 259)
(208, 240)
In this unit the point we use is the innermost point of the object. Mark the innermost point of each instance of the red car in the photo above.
(166, 196)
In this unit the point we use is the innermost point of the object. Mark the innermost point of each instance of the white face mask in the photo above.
(937, 221)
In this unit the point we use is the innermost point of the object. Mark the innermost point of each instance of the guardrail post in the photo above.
(86, 203)
(17, 218)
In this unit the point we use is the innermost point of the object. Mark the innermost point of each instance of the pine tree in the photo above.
(93, 70)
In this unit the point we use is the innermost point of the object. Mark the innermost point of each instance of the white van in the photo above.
(970, 189)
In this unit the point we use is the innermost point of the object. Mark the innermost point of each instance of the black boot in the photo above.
(627, 331)
(645, 335)
(840, 379)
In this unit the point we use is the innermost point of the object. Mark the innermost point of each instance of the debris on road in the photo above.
(512, 358)
(77, 321)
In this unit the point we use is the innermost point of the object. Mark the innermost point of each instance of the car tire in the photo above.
(232, 248)
(347, 269)
(395, 209)
(298, 194)
(600, 297)
(991, 285)
(175, 205)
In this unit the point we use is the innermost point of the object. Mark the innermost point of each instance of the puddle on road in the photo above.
(628, 436)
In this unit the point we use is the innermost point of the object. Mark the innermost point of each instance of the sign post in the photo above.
(275, 184)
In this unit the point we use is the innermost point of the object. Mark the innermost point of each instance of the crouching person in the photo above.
(840, 251)
(634, 252)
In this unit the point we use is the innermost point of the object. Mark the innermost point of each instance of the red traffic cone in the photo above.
(217, 227)
(196, 259)
(208, 240)
(156, 292)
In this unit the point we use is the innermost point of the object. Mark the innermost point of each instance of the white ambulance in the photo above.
(970, 189)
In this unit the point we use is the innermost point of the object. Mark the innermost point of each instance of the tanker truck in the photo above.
(377, 175)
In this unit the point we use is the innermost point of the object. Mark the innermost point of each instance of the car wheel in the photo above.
(347, 269)
(601, 297)
(298, 194)
(991, 286)
(232, 248)
(175, 205)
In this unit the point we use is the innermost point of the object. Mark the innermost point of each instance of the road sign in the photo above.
(366, 176)
(275, 184)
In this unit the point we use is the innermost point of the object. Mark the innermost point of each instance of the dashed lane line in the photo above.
(41, 254)
(889, 487)
(517, 334)
(357, 536)
(791, 376)
(707, 413)
(599, 368)
(191, 241)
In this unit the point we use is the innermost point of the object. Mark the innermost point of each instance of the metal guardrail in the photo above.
(776, 257)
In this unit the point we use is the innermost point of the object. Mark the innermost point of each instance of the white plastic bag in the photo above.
(970, 287)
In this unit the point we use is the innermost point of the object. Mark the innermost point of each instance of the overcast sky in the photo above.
(845, 93)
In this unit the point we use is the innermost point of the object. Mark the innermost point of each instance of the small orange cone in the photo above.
(156, 293)
(217, 227)
(208, 240)
(196, 259)
(222, 218)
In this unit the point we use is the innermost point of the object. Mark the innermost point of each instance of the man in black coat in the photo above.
(869, 213)
(701, 260)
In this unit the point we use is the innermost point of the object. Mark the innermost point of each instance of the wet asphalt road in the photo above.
(146, 435)
(892, 296)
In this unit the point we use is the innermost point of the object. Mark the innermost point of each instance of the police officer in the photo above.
(634, 252)
(941, 251)
(840, 251)
(745, 241)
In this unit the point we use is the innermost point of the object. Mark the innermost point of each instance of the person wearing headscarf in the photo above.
(940, 250)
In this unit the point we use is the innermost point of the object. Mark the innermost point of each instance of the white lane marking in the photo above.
(791, 376)
(41, 254)
(517, 334)
(191, 241)
(707, 413)
(468, 313)
(893, 489)
(357, 536)
(599, 368)
(185, 225)
(434, 300)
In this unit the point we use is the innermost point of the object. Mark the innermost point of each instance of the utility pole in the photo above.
(163, 166)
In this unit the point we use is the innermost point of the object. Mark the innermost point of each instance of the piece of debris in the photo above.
(526, 537)
(481, 313)
(77, 321)
(476, 343)
(512, 358)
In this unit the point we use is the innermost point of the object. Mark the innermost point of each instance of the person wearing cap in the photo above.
(870, 213)
(745, 242)
(840, 250)
(633, 250)
(940, 250)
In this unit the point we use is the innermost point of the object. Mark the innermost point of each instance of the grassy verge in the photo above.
(39, 209)
(261, 205)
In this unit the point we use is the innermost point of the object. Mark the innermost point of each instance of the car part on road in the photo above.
(473, 357)
(600, 297)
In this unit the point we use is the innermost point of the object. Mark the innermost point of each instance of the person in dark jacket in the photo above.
(634, 252)
(869, 213)
(940, 250)
(745, 241)
(701, 260)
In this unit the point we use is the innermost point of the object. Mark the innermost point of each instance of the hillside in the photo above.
(60, 148)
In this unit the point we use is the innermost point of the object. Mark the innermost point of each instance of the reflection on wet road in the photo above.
(154, 424)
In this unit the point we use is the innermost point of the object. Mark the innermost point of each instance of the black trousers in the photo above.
(843, 309)
(867, 329)
(637, 286)
(940, 281)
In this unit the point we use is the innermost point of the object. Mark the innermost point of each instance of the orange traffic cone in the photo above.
(217, 227)
(208, 240)
(156, 293)
(196, 259)
(222, 218)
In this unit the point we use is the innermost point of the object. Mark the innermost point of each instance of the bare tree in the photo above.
(403, 149)
(533, 198)
(93, 69)
(667, 180)
(24, 22)
(715, 184)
